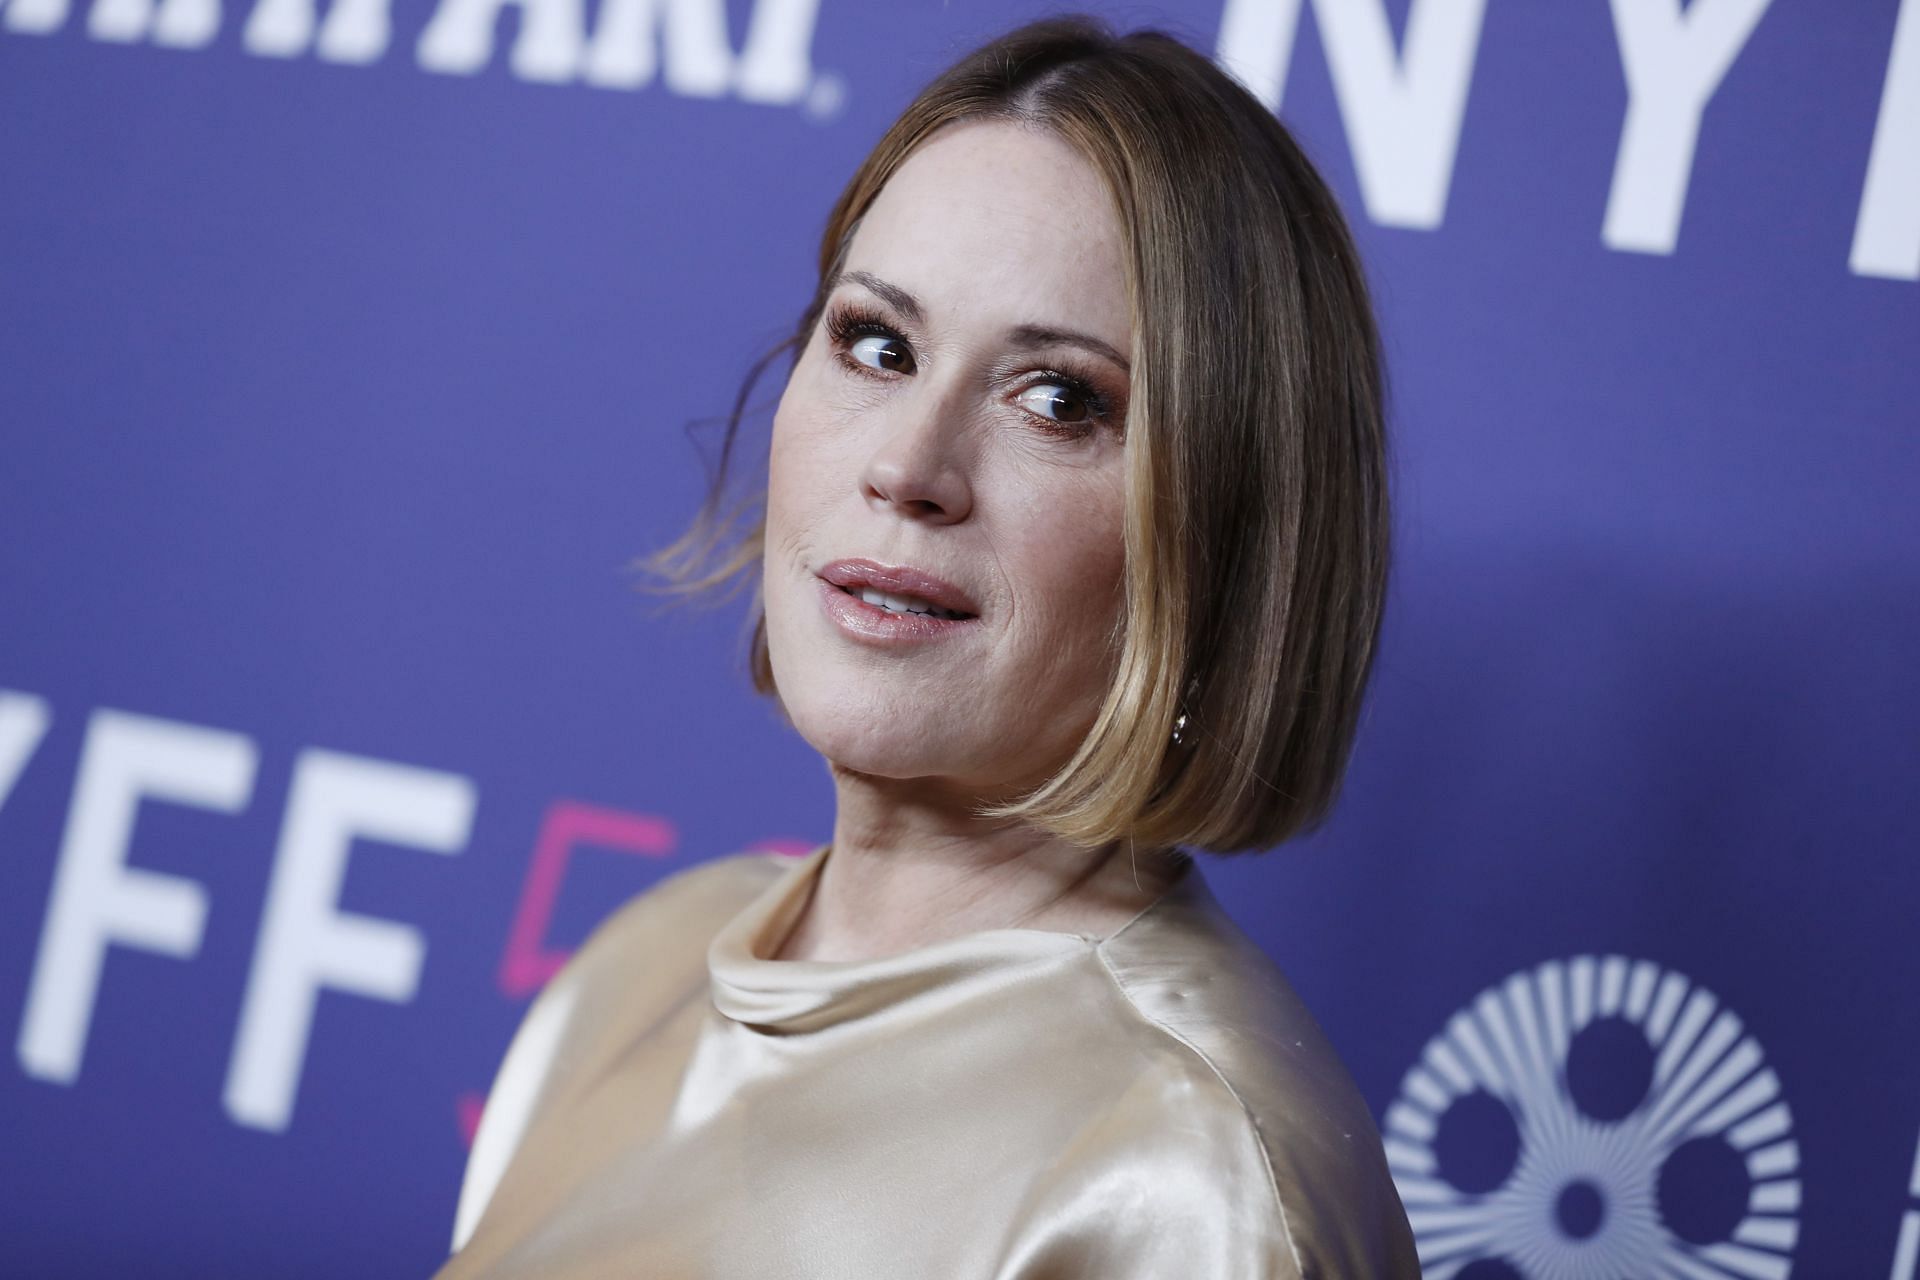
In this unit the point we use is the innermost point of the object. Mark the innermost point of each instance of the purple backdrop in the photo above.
(345, 365)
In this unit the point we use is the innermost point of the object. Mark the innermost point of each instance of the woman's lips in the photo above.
(893, 604)
(916, 587)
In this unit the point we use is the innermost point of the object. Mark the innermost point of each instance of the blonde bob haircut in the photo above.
(1256, 507)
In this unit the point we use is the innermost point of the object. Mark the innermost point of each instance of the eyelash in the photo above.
(848, 322)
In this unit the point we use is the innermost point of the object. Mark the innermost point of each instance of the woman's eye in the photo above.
(1052, 400)
(878, 351)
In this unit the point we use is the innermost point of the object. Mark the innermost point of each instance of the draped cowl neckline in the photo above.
(1008, 1103)
(792, 996)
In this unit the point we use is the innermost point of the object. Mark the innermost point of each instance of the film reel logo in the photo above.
(1596, 1117)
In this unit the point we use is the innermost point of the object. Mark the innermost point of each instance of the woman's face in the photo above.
(945, 495)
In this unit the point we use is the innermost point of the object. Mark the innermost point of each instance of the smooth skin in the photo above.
(949, 443)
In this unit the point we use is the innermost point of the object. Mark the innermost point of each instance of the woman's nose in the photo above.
(917, 468)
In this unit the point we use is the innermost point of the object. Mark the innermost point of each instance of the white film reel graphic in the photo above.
(1590, 1185)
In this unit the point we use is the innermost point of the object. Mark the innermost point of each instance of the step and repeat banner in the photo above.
(351, 351)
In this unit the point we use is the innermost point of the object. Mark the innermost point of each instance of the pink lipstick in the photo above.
(893, 604)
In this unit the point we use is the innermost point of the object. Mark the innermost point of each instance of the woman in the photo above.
(1072, 554)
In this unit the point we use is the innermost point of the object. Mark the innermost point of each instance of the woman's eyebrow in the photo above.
(891, 294)
(1025, 335)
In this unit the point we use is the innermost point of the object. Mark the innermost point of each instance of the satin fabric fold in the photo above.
(1011, 1104)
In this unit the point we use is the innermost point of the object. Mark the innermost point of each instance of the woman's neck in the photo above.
(911, 865)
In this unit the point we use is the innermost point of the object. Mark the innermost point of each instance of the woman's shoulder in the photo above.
(648, 953)
(633, 967)
(652, 948)
(690, 904)
(1252, 1050)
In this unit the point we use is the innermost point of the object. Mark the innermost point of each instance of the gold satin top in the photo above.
(1009, 1103)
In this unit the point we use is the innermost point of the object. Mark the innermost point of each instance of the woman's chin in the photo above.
(879, 753)
(889, 744)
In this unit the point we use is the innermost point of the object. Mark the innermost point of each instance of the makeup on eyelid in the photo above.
(846, 323)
